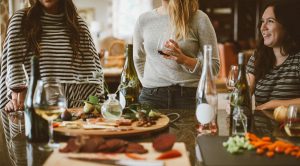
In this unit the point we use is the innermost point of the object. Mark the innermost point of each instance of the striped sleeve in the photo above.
(250, 65)
(56, 58)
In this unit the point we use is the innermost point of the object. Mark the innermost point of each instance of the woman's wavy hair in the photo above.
(181, 13)
(286, 12)
(32, 28)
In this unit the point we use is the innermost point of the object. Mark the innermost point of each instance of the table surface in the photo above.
(184, 129)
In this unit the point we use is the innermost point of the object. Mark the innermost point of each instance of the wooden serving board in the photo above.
(161, 124)
(61, 159)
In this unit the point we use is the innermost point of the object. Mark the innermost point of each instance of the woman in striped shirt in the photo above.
(274, 69)
(53, 31)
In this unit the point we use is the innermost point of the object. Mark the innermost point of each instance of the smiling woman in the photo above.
(274, 69)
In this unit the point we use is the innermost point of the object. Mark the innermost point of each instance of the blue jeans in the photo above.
(171, 97)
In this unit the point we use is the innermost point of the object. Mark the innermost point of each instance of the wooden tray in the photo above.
(161, 124)
(61, 159)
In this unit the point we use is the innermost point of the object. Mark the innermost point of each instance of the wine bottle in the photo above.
(206, 97)
(36, 128)
(130, 94)
(240, 96)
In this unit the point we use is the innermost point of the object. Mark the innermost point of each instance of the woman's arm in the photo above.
(251, 82)
(207, 35)
(276, 103)
(139, 56)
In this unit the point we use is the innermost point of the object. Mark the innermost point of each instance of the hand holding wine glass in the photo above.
(17, 82)
(49, 102)
(162, 42)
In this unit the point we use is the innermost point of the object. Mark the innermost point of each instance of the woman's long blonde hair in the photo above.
(181, 12)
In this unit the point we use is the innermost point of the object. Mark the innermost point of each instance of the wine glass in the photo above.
(230, 84)
(17, 81)
(49, 102)
(162, 41)
(232, 77)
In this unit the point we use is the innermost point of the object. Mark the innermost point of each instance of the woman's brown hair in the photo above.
(286, 11)
(32, 29)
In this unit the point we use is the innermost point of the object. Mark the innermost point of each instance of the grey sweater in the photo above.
(155, 71)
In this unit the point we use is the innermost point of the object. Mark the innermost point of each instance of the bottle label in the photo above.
(205, 113)
(122, 100)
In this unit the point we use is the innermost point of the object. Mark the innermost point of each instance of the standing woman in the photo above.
(274, 69)
(171, 80)
(53, 31)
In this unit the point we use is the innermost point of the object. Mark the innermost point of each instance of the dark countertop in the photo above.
(23, 153)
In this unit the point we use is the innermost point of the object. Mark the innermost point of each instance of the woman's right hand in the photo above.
(11, 106)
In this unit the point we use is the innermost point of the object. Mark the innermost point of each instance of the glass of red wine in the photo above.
(162, 42)
(17, 81)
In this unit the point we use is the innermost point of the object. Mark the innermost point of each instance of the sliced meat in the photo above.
(92, 144)
(135, 148)
(112, 145)
(72, 146)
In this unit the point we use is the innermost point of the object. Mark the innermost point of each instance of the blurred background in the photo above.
(111, 24)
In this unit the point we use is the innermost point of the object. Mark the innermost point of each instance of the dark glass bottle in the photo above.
(36, 128)
(130, 94)
(240, 97)
(207, 97)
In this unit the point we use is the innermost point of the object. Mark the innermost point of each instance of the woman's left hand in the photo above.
(174, 52)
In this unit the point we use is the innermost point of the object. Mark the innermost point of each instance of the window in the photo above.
(125, 14)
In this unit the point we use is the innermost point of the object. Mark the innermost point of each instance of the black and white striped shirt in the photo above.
(56, 58)
(281, 83)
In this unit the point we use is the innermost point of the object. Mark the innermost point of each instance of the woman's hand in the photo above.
(271, 105)
(174, 53)
(11, 106)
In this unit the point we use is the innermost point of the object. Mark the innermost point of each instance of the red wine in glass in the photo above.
(162, 53)
(18, 88)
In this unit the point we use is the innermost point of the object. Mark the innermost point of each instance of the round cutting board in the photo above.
(161, 124)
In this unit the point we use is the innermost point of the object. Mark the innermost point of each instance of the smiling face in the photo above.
(51, 6)
(271, 30)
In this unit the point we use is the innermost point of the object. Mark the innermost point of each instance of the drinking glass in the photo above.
(49, 102)
(292, 127)
(17, 81)
(232, 77)
(162, 41)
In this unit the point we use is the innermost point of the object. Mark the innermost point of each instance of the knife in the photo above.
(122, 162)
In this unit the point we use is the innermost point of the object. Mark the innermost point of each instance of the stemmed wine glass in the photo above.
(17, 81)
(49, 102)
(162, 41)
(232, 77)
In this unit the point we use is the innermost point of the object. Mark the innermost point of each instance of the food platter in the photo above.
(108, 130)
(61, 159)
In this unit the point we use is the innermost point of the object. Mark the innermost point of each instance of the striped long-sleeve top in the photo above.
(281, 83)
(77, 75)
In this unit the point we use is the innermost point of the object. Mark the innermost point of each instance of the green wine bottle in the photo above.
(240, 96)
(129, 77)
(36, 128)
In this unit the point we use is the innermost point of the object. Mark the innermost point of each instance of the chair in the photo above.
(228, 57)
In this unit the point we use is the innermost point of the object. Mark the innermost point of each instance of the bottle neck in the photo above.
(207, 61)
(242, 72)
